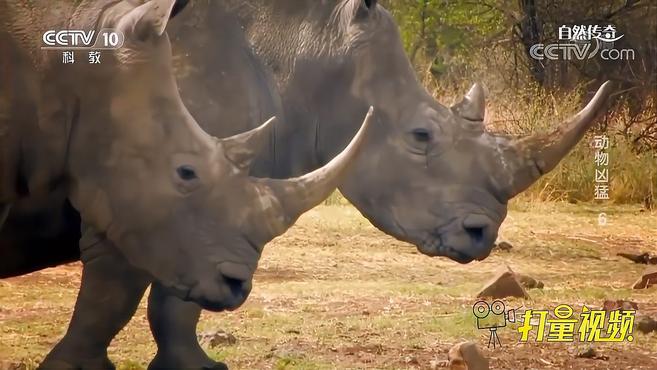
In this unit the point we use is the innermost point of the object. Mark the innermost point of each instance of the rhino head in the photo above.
(177, 202)
(430, 175)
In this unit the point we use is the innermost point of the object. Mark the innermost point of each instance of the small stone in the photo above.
(411, 360)
(466, 356)
(503, 285)
(588, 353)
(646, 324)
(592, 354)
(529, 282)
(504, 246)
(647, 279)
(437, 364)
(216, 339)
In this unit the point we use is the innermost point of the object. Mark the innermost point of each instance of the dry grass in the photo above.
(336, 293)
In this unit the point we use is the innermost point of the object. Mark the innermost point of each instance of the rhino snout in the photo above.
(227, 290)
(475, 240)
(464, 240)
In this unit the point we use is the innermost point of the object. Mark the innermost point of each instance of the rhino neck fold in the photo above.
(282, 31)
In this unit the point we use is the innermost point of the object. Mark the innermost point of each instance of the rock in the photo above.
(648, 279)
(466, 356)
(503, 285)
(646, 324)
(529, 282)
(216, 339)
(504, 246)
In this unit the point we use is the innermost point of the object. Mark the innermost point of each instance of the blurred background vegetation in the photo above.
(453, 43)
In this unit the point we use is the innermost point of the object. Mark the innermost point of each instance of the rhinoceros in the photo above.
(430, 175)
(326, 62)
(112, 146)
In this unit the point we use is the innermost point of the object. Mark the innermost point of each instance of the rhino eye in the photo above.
(187, 173)
(421, 135)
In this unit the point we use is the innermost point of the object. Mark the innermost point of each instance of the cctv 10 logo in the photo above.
(80, 39)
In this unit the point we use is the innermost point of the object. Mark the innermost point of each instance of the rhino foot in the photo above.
(101, 363)
(188, 361)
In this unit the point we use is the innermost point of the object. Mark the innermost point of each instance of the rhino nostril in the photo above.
(237, 277)
(236, 271)
(236, 286)
(476, 233)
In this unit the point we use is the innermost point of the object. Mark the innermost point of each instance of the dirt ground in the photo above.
(335, 293)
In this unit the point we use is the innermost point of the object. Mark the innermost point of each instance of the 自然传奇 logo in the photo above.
(580, 42)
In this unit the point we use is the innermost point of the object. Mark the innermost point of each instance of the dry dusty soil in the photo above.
(335, 293)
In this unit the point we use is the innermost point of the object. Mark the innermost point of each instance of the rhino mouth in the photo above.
(230, 302)
(434, 246)
(428, 243)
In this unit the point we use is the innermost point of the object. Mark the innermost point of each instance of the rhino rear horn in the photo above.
(298, 195)
(149, 19)
(473, 105)
(539, 154)
(242, 149)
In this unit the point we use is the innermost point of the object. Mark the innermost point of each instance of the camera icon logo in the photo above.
(492, 317)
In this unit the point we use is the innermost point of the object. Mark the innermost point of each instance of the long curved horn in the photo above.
(243, 148)
(298, 195)
(541, 153)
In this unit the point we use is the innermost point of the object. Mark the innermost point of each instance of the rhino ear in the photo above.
(178, 7)
(243, 148)
(370, 4)
(473, 105)
(146, 20)
(361, 9)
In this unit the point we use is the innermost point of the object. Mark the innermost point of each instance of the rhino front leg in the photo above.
(173, 323)
(109, 295)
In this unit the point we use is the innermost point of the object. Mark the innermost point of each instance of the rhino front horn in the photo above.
(540, 154)
(300, 194)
